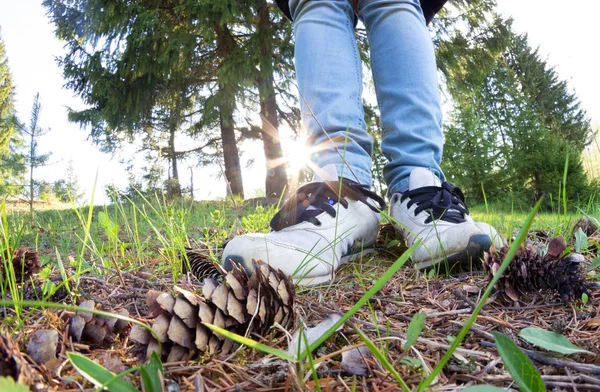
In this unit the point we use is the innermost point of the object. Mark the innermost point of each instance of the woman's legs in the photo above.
(328, 69)
(405, 76)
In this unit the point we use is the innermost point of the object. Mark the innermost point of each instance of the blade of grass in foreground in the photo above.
(364, 299)
(252, 343)
(463, 332)
(98, 375)
(381, 358)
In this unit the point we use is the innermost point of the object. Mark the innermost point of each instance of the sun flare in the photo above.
(297, 156)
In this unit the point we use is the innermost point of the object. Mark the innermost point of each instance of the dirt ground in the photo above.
(447, 302)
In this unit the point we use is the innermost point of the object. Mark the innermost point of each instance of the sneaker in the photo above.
(436, 213)
(314, 232)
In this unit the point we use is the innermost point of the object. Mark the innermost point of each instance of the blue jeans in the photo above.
(328, 68)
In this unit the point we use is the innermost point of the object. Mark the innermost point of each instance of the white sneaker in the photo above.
(314, 233)
(436, 213)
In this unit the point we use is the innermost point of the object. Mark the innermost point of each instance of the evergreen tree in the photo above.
(34, 158)
(7, 127)
(510, 110)
(183, 68)
(67, 189)
(12, 162)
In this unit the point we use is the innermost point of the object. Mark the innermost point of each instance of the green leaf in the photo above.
(252, 343)
(412, 362)
(414, 329)
(7, 384)
(98, 375)
(519, 366)
(392, 243)
(595, 264)
(152, 374)
(581, 241)
(550, 341)
(483, 388)
(584, 298)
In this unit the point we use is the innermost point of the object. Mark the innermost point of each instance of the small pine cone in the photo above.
(390, 241)
(234, 301)
(530, 272)
(99, 330)
(200, 264)
(588, 227)
(25, 263)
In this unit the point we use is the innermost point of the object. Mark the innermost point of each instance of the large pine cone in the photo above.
(25, 263)
(530, 271)
(233, 300)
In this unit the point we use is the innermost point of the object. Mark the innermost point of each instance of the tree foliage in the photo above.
(187, 69)
(12, 163)
(34, 158)
(514, 122)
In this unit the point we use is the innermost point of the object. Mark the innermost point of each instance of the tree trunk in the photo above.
(226, 104)
(276, 180)
(174, 186)
(192, 183)
(233, 170)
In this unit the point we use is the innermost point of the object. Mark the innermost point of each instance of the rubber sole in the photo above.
(304, 281)
(467, 258)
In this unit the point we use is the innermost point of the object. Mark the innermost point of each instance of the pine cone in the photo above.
(530, 272)
(390, 241)
(25, 263)
(588, 227)
(200, 264)
(234, 301)
(98, 330)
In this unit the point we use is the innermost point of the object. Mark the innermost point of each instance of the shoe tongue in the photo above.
(421, 177)
(326, 173)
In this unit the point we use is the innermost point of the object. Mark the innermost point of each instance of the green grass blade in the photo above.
(98, 375)
(463, 332)
(564, 183)
(363, 300)
(152, 374)
(381, 358)
(518, 365)
(311, 363)
(252, 343)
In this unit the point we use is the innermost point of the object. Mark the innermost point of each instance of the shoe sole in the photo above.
(308, 280)
(478, 244)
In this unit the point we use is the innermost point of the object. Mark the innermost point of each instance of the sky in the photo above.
(565, 32)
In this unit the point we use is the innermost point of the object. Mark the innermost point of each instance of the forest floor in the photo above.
(114, 255)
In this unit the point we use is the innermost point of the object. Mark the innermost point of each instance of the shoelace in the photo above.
(445, 202)
(322, 196)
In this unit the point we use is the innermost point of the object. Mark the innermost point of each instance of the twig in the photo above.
(129, 276)
(548, 360)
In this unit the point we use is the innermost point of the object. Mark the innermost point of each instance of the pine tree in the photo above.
(130, 61)
(12, 163)
(35, 159)
(514, 122)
